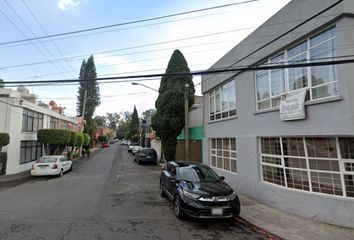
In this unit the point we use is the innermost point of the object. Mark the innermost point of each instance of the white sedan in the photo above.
(51, 165)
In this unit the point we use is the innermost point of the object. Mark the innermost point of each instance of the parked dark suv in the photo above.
(197, 191)
(146, 155)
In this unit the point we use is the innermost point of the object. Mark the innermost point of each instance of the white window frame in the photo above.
(222, 90)
(310, 86)
(229, 150)
(341, 163)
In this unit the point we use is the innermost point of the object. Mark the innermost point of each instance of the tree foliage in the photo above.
(124, 125)
(79, 140)
(112, 120)
(102, 138)
(4, 140)
(89, 84)
(73, 139)
(86, 140)
(54, 139)
(100, 121)
(168, 121)
(134, 125)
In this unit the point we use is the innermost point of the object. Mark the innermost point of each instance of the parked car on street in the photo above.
(197, 191)
(131, 145)
(51, 165)
(136, 149)
(146, 155)
(105, 145)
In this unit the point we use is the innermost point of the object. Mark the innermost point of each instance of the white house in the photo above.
(21, 116)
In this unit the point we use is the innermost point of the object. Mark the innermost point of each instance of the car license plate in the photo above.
(217, 211)
(148, 157)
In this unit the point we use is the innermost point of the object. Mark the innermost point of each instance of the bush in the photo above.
(73, 138)
(4, 139)
(102, 138)
(55, 140)
(79, 140)
(86, 139)
(57, 137)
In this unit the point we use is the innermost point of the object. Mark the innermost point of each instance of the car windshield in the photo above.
(197, 174)
(47, 159)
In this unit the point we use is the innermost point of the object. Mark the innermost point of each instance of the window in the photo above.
(321, 81)
(222, 101)
(53, 122)
(31, 121)
(30, 151)
(223, 153)
(315, 164)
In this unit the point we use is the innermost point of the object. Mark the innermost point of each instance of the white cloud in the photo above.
(68, 4)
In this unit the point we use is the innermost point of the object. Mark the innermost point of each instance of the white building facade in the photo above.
(303, 166)
(21, 117)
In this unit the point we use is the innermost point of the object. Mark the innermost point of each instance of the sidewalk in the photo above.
(27, 174)
(290, 226)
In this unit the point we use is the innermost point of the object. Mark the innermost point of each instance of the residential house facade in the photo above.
(303, 166)
(195, 133)
(21, 117)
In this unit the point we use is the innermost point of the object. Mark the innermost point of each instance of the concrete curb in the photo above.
(27, 174)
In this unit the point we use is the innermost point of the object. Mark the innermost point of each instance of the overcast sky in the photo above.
(128, 50)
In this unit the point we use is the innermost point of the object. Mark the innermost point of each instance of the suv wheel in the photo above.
(162, 193)
(177, 206)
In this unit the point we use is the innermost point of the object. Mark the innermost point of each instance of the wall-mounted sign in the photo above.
(292, 105)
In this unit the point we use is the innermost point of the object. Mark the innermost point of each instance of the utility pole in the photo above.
(186, 122)
(84, 107)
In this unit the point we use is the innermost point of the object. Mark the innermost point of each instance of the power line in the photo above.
(128, 23)
(154, 50)
(20, 31)
(201, 72)
(40, 25)
(283, 34)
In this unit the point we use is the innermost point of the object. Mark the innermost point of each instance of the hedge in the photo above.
(102, 138)
(4, 139)
(73, 138)
(59, 137)
(86, 139)
(79, 140)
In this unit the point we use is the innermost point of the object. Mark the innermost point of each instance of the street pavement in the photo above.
(107, 196)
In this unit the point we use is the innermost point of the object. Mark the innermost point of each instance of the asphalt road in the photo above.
(107, 196)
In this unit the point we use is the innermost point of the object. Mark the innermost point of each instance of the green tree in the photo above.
(100, 121)
(134, 125)
(168, 121)
(4, 140)
(86, 142)
(89, 85)
(113, 120)
(79, 140)
(102, 138)
(54, 139)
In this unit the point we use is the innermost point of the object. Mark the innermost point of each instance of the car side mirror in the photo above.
(222, 178)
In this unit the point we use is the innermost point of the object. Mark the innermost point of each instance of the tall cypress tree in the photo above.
(89, 84)
(168, 121)
(134, 125)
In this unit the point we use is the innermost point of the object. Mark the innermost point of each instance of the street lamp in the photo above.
(135, 83)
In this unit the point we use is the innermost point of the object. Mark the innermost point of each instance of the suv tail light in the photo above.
(32, 168)
(55, 166)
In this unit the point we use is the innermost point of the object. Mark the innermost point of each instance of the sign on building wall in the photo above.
(292, 106)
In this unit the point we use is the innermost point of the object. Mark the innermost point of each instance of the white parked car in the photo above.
(136, 148)
(51, 165)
